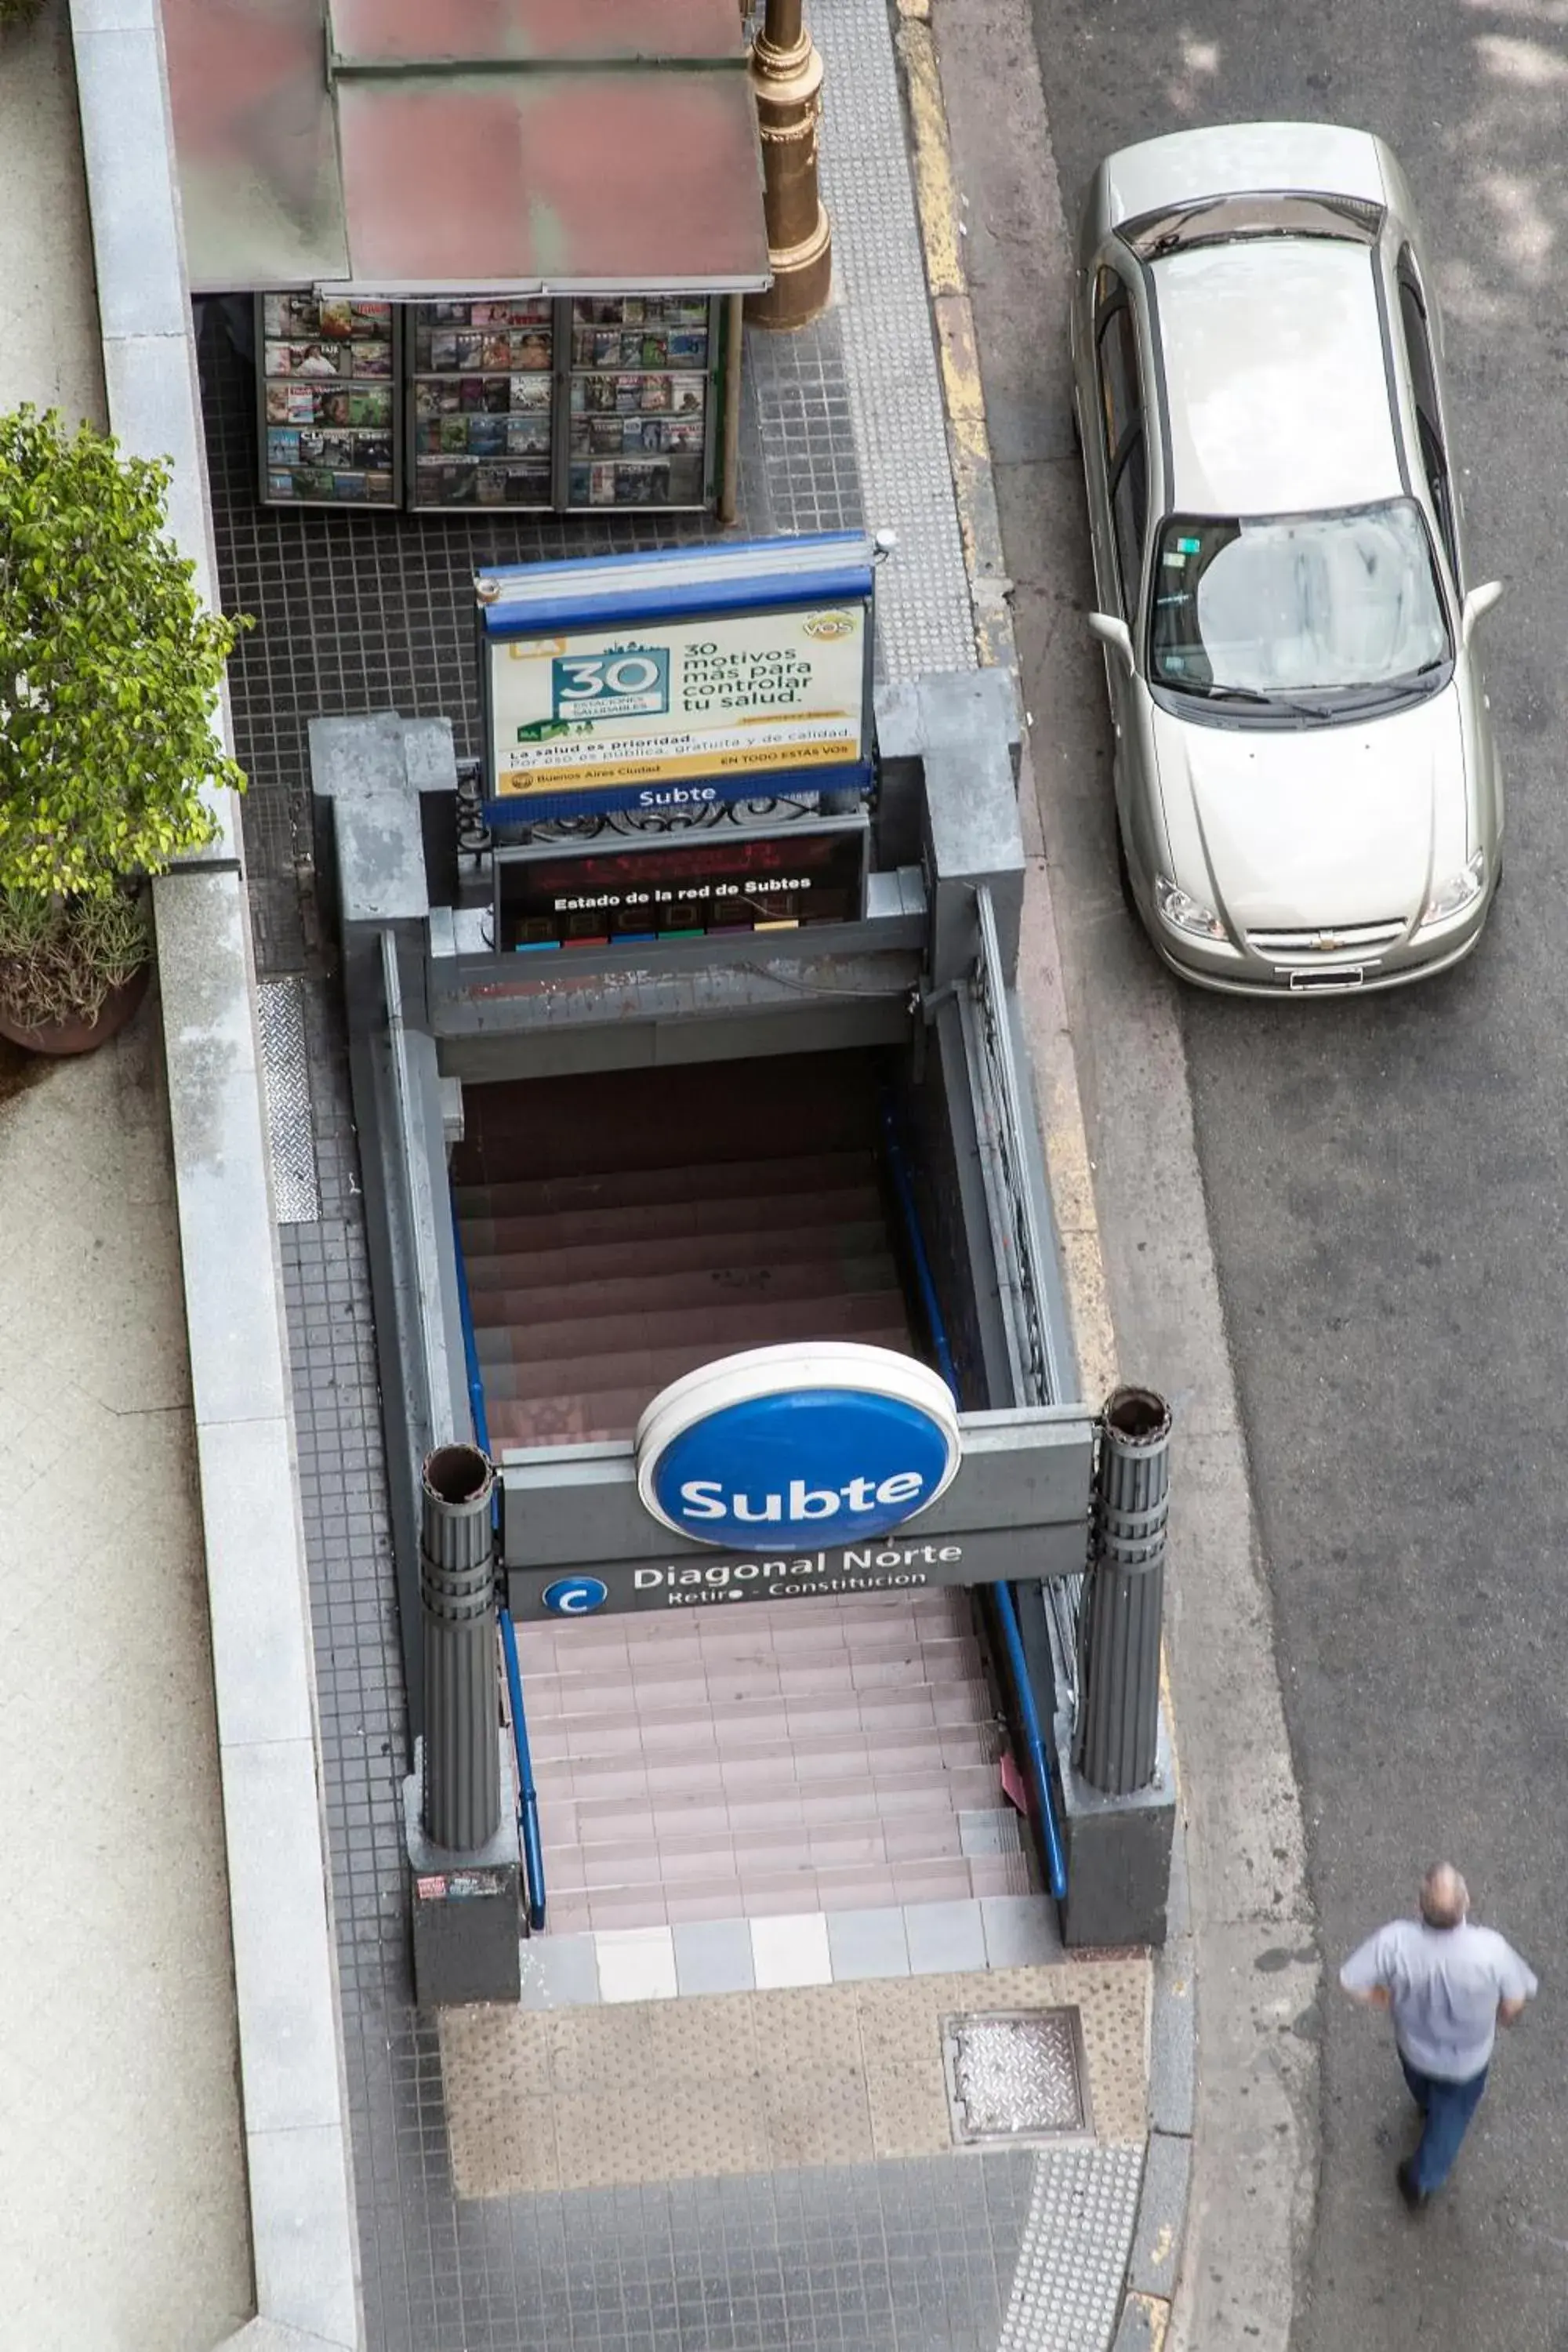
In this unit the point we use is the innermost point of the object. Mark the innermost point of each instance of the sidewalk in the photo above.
(628, 2161)
(123, 2223)
(820, 2203)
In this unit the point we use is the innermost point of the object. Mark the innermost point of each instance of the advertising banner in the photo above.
(680, 702)
(660, 686)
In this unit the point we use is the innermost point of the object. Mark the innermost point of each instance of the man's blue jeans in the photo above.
(1448, 2109)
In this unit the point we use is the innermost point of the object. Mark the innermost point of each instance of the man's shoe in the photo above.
(1414, 2198)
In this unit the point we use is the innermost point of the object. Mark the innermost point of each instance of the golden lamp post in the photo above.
(787, 78)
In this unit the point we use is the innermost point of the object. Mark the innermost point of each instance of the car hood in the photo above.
(1316, 826)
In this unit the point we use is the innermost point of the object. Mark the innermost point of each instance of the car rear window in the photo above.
(1216, 220)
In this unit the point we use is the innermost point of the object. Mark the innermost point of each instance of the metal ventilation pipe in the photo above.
(460, 1790)
(1118, 1721)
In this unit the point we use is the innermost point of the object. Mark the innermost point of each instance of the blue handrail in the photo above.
(903, 1185)
(528, 1795)
(1039, 1770)
(1007, 1602)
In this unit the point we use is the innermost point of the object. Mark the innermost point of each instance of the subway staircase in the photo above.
(622, 1230)
(827, 1754)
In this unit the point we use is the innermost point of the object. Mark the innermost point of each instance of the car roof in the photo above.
(1275, 381)
(1243, 159)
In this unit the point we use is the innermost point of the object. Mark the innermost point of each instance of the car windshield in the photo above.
(1297, 604)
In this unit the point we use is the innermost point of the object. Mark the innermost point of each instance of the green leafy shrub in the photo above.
(110, 668)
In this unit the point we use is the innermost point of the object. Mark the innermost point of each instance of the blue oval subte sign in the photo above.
(794, 1447)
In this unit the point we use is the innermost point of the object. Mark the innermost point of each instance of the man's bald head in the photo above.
(1445, 1898)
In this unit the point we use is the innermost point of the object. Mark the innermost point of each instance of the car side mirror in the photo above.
(1114, 633)
(1480, 600)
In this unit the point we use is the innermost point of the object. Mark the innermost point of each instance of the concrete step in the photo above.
(768, 1768)
(829, 1627)
(546, 1307)
(907, 1794)
(729, 1730)
(572, 1384)
(676, 1180)
(677, 1861)
(747, 1109)
(596, 1684)
(632, 1252)
(576, 1356)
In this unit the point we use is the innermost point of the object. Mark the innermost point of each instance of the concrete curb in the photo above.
(1160, 2226)
(290, 2043)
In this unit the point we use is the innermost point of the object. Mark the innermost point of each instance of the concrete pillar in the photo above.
(460, 1793)
(1119, 1724)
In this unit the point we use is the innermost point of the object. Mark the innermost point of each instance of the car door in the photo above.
(1432, 449)
(1121, 513)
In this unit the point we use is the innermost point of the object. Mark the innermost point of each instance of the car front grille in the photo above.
(1357, 939)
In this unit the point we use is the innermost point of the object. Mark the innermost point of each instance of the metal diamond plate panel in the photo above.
(1016, 2076)
(1066, 2288)
(290, 1132)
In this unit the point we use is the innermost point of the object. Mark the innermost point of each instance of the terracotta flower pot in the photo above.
(76, 1036)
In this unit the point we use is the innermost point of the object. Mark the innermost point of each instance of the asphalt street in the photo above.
(1384, 1188)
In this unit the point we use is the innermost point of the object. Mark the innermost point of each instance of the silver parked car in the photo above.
(1307, 789)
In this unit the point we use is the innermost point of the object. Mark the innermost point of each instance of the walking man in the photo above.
(1448, 1986)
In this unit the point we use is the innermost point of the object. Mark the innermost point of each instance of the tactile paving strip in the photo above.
(1011, 2077)
(743, 2082)
(290, 1131)
(1066, 2287)
(923, 616)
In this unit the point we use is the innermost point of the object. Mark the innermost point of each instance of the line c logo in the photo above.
(576, 1596)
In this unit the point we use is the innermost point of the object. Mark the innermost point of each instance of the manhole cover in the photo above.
(1016, 2075)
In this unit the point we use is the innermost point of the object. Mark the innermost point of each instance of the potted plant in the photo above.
(109, 673)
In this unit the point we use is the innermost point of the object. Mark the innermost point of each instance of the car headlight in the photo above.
(1459, 891)
(1187, 914)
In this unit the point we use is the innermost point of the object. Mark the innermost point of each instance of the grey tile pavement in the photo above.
(868, 1943)
(841, 423)
(714, 1955)
(945, 1937)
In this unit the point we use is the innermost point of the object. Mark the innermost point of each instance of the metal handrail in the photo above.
(419, 1203)
(529, 1835)
(1022, 1255)
(903, 1185)
(1027, 1251)
(1039, 1769)
(1006, 1605)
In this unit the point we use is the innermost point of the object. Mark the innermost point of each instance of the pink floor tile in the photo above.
(717, 1859)
(569, 1914)
(849, 1844)
(607, 1777)
(861, 1888)
(676, 1817)
(687, 1731)
(933, 1837)
(685, 1907)
(931, 1882)
(1002, 1874)
(672, 1776)
(634, 1910)
(777, 1898)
